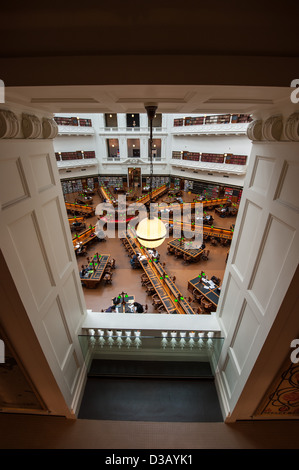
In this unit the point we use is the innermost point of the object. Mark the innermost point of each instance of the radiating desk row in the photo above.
(169, 294)
(86, 237)
(203, 287)
(95, 271)
(155, 194)
(79, 208)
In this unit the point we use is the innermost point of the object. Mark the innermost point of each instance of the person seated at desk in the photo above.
(139, 307)
(134, 259)
(83, 272)
(111, 309)
(224, 211)
(154, 254)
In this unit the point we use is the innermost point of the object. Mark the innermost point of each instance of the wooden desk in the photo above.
(155, 193)
(85, 238)
(125, 308)
(95, 274)
(208, 231)
(105, 194)
(211, 294)
(84, 200)
(169, 294)
(194, 253)
(205, 203)
(78, 208)
(73, 220)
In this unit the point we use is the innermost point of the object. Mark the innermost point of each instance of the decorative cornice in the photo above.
(9, 124)
(254, 130)
(50, 128)
(274, 129)
(292, 127)
(31, 126)
(26, 126)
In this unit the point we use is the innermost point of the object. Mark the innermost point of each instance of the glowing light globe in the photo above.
(151, 232)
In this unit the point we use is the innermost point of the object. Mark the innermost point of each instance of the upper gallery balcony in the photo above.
(131, 124)
(74, 126)
(221, 124)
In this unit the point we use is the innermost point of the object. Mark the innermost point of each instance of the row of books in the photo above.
(78, 155)
(72, 121)
(78, 185)
(210, 157)
(215, 119)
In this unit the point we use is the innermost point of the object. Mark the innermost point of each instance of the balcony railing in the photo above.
(189, 346)
(211, 129)
(210, 167)
(144, 130)
(75, 130)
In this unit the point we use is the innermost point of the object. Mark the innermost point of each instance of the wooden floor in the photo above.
(128, 280)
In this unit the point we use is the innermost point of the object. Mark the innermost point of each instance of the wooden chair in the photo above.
(144, 279)
(157, 303)
(170, 250)
(187, 259)
(205, 255)
(111, 264)
(150, 290)
(161, 309)
(205, 304)
(197, 297)
(108, 278)
(178, 254)
(199, 311)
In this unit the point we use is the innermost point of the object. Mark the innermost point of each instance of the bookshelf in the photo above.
(194, 121)
(89, 154)
(193, 156)
(236, 159)
(72, 121)
(212, 157)
(213, 119)
(176, 155)
(113, 181)
(218, 119)
(209, 191)
(85, 122)
(78, 155)
(240, 118)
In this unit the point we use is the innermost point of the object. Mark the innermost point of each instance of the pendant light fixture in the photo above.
(151, 231)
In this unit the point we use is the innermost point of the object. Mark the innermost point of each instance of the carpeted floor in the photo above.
(150, 399)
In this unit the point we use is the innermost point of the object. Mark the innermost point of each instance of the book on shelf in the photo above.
(193, 156)
(212, 157)
(194, 121)
(236, 159)
(176, 155)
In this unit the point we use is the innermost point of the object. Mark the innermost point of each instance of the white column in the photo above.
(263, 259)
(37, 246)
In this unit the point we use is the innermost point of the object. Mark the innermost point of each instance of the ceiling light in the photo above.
(151, 231)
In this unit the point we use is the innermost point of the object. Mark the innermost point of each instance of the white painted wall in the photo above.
(263, 258)
(36, 243)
